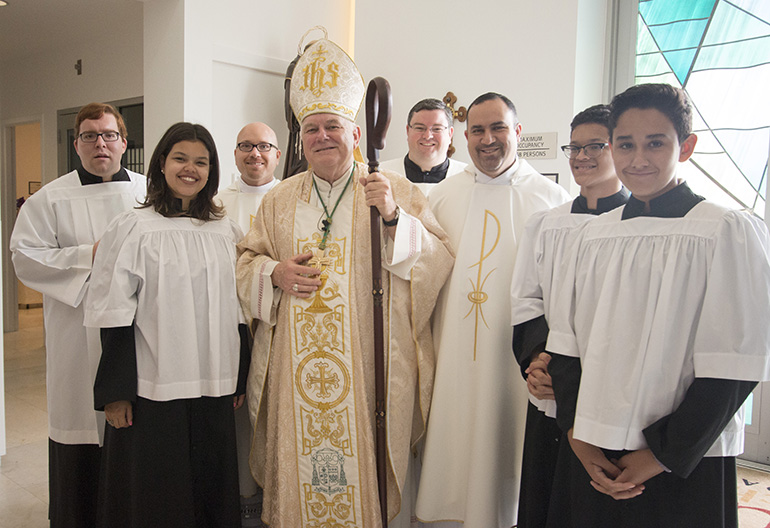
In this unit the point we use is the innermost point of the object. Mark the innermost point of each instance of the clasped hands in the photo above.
(620, 479)
(539, 381)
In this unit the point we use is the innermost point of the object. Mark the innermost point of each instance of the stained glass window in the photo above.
(719, 52)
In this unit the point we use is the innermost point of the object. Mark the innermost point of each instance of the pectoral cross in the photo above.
(320, 261)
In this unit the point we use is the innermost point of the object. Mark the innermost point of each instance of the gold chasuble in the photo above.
(311, 383)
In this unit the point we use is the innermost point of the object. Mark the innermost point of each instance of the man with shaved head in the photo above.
(256, 156)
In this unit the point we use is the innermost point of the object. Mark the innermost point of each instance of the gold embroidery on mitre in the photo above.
(326, 81)
(477, 295)
(314, 74)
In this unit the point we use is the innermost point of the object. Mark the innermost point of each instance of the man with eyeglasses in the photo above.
(543, 247)
(53, 244)
(474, 441)
(305, 274)
(256, 156)
(429, 133)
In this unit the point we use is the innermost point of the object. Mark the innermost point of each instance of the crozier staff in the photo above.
(305, 273)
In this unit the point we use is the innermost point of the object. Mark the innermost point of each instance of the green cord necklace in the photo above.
(327, 222)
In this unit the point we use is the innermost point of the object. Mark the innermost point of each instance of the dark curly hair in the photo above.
(159, 195)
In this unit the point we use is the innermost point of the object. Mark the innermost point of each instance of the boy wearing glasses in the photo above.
(542, 249)
(256, 156)
(429, 134)
(54, 240)
(661, 328)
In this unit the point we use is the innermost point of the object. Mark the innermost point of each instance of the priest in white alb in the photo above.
(305, 274)
(472, 458)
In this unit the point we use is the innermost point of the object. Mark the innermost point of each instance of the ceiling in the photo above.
(31, 27)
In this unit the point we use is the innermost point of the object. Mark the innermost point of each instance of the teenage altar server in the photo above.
(542, 250)
(663, 308)
(174, 357)
(472, 459)
(53, 243)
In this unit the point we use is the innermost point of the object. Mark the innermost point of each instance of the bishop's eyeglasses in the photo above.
(261, 147)
(592, 150)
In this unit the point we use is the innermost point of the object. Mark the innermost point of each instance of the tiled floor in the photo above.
(24, 469)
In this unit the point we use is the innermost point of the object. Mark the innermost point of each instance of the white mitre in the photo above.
(326, 81)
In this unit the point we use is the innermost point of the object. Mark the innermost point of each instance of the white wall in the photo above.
(39, 85)
(525, 50)
(222, 64)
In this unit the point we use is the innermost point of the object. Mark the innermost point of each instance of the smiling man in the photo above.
(256, 157)
(53, 243)
(472, 459)
(429, 133)
(305, 275)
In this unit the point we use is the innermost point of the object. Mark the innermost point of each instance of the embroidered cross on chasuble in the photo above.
(324, 380)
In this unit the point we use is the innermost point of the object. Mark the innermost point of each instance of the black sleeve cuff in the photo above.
(680, 439)
(245, 359)
(528, 339)
(116, 376)
(565, 374)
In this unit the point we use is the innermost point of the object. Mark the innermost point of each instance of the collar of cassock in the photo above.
(608, 203)
(502, 179)
(86, 178)
(255, 189)
(673, 204)
(416, 175)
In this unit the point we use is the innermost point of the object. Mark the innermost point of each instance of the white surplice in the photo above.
(651, 303)
(52, 244)
(542, 250)
(174, 279)
(241, 201)
(472, 457)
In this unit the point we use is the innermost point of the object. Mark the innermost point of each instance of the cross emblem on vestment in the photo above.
(324, 380)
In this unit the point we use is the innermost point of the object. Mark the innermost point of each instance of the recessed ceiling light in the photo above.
(3, 3)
